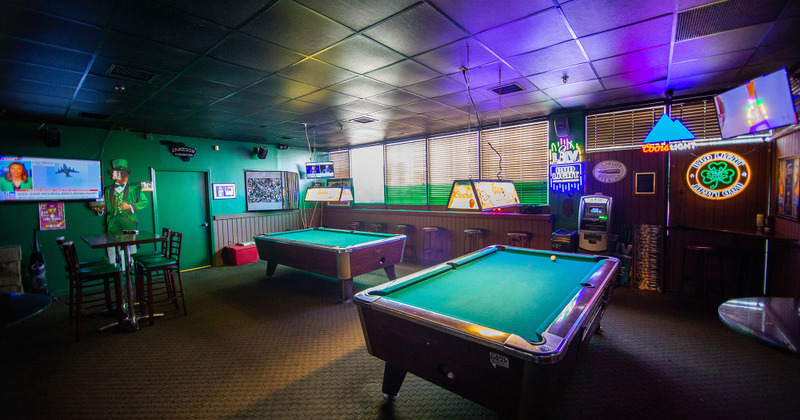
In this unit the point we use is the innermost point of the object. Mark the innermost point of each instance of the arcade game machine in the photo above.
(594, 223)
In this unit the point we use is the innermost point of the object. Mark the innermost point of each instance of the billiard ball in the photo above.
(553, 257)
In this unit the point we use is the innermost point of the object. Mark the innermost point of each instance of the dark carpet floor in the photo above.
(283, 348)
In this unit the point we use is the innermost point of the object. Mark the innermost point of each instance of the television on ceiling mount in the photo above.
(25, 178)
(315, 170)
(759, 105)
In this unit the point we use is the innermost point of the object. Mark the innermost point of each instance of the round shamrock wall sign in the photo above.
(718, 175)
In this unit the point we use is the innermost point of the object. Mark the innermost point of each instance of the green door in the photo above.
(180, 202)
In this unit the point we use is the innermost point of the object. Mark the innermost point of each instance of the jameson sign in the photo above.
(180, 150)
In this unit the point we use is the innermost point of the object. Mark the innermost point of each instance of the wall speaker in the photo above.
(562, 126)
(51, 136)
(261, 151)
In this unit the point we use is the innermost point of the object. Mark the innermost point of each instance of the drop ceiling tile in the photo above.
(575, 74)
(393, 114)
(162, 23)
(538, 109)
(24, 71)
(201, 87)
(631, 38)
(423, 107)
(581, 101)
(523, 98)
(297, 28)
(362, 106)
(561, 55)
(461, 98)
(221, 72)
(328, 97)
(141, 53)
(586, 18)
(395, 98)
(281, 86)
(361, 87)
(493, 74)
(725, 42)
(436, 87)
(316, 73)
(478, 15)
(360, 13)
(781, 54)
(132, 89)
(450, 58)
(688, 82)
(452, 115)
(654, 90)
(245, 50)
(219, 11)
(638, 60)
(256, 98)
(300, 107)
(33, 88)
(43, 55)
(415, 30)
(238, 108)
(532, 33)
(634, 78)
(359, 54)
(24, 23)
(785, 30)
(404, 73)
(710, 64)
(572, 89)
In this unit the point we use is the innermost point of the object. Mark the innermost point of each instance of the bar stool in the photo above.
(700, 279)
(432, 248)
(353, 225)
(473, 240)
(520, 239)
(377, 227)
(408, 252)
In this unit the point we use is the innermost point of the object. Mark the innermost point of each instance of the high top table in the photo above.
(122, 244)
(17, 307)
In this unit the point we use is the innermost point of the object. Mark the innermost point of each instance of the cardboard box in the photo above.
(11, 269)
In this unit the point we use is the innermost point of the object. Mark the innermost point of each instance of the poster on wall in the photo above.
(51, 216)
(789, 187)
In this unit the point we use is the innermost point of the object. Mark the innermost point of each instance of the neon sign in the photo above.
(566, 169)
(667, 135)
(718, 175)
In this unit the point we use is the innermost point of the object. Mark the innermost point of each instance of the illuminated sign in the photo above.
(482, 195)
(566, 177)
(668, 135)
(718, 175)
(329, 194)
(564, 151)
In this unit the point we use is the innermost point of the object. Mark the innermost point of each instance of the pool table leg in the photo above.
(271, 266)
(390, 272)
(393, 377)
(346, 289)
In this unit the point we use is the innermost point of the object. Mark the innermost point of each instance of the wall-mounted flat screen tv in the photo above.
(24, 178)
(759, 105)
(316, 170)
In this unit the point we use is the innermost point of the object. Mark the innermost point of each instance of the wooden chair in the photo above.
(161, 272)
(89, 278)
(163, 252)
(83, 264)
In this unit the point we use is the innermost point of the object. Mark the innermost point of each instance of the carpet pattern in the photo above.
(284, 348)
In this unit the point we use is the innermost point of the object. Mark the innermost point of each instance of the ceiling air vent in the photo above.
(724, 16)
(506, 89)
(131, 73)
(364, 120)
(93, 115)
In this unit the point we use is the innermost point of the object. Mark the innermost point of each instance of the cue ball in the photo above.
(553, 257)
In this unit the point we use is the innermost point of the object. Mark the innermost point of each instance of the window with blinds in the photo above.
(699, 117)
(450, 157)
(367, 174)
(406, 173)
(341, 163)
(620, 129)
(518, 153)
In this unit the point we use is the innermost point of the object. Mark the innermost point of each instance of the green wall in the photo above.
(226, 165)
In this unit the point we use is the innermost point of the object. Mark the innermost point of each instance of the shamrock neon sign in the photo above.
(717, 172)
(718, 175)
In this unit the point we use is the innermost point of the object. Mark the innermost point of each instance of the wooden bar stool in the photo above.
(700, 279)
(432, 248)
(520, 239)
(473, 240)
(408, 252)
(377, 227)
(353, 225)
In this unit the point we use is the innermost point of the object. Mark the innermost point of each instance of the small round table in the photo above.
(17, 307)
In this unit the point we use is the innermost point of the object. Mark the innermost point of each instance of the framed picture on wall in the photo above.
(645, 183)
(224, 191)
(788, 187)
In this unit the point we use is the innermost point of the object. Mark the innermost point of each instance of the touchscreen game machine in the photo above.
(594, 223)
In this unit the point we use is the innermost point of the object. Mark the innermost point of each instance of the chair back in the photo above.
(165, 233)
(175, 240)
(60, 242)
(71, 257)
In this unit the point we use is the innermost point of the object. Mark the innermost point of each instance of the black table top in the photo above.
(17, 307)
(105, 240)
(775, 320)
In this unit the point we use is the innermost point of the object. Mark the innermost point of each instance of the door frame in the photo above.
(157, 228)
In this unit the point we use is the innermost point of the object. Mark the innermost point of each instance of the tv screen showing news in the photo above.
(316, 170)
(762, 104)
(24, 178)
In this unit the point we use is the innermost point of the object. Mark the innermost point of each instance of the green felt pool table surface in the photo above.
(330, 237)
(491, 287)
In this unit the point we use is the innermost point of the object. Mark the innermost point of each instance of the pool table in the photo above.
(342, 254)
(502, 326)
